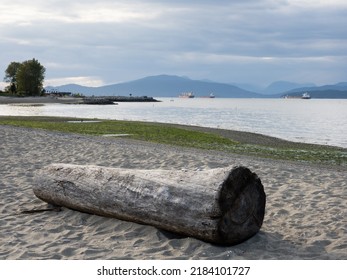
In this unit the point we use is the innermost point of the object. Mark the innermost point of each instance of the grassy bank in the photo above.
(194, 137)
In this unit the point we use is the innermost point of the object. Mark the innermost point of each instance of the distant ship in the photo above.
(186, 95)
(306, 95)
(209, 96)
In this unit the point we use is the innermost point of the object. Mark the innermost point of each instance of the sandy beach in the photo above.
(305, 213)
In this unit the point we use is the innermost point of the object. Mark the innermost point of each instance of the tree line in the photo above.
(25, 78)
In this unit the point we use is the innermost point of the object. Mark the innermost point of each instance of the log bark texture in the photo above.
(224, 205)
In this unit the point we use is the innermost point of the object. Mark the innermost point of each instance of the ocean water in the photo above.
(319, 121)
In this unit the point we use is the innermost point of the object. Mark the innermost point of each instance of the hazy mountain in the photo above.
(172, 86)
(338, 91)
(284, 86)
(74, 88)
(342, 85)
(275, 88)
(162, 86)
(322, 94)
(249, 87)
(339, 87)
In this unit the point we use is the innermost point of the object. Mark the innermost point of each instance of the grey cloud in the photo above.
(245, 41)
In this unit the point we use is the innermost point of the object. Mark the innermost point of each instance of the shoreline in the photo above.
(97, 100)
(253, 138)
(245, 137)
(282, 139)
(8, 100)
(242, 143)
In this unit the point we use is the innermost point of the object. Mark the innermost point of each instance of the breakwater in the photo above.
(105, 100)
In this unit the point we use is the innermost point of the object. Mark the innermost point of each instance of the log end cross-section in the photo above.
(242, 203)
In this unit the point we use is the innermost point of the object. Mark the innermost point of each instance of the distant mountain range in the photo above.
(161, 86)
(337, 91)
(283, 86)
(172, 86)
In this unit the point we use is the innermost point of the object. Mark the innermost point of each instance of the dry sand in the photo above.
(305, 212)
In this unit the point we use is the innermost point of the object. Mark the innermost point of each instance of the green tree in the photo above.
(10, 76)
(26, 77)
(29, 77)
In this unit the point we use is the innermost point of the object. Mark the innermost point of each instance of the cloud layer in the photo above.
(102, 42)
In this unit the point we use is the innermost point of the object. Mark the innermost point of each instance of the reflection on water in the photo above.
(314, 121)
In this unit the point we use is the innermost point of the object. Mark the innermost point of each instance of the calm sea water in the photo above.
(312, 121)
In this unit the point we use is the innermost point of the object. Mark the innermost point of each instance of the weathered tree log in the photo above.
(224, 205)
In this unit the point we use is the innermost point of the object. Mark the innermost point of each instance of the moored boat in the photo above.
(211, 95)
(306, 95)
(186, 95)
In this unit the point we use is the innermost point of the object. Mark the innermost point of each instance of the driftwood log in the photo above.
(224, 205)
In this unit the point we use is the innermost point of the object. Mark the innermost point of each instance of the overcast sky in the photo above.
(244, 41)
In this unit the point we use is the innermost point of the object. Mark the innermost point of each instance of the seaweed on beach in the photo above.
(211, 139)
